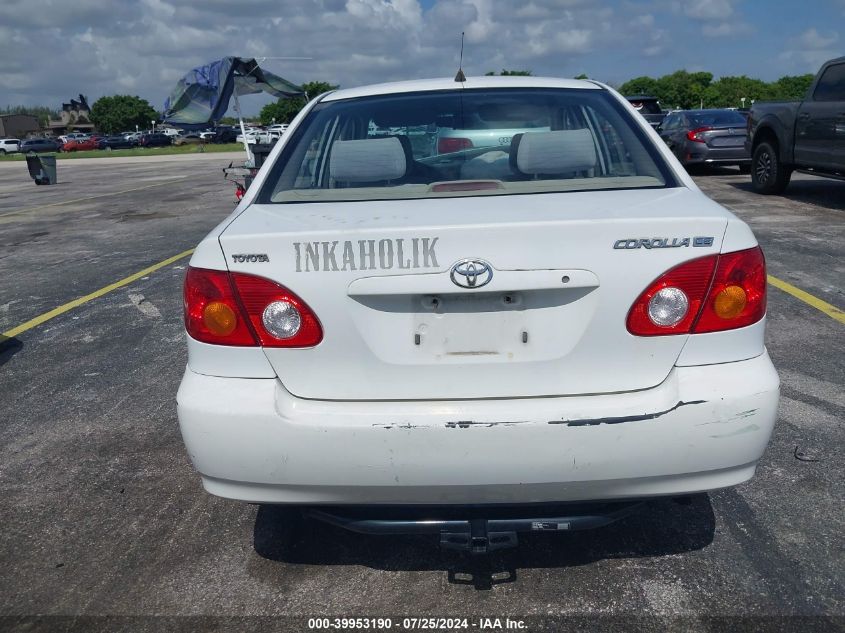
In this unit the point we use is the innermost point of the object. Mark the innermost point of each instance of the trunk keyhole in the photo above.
(432, 303)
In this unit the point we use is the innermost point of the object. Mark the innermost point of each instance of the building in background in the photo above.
(74, 117)
(18, 126)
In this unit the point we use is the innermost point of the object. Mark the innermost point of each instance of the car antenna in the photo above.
(461, 77)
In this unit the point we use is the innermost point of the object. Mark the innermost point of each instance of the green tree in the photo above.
(639, 86)
(692, 90)
(582, 76)
(791, 87)
(728, 92)
(284, 110)
(122, 112)
(509, 73)
(682, 89)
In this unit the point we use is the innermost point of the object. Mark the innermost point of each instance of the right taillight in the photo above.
(245, 310)
(737, 295)
(448, 145)
(709, 294)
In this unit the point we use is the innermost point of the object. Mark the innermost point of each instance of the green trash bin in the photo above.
(42, 168)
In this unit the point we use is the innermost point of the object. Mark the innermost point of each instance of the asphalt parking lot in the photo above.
(105, 524)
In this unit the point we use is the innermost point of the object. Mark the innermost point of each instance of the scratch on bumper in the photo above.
(624, 418)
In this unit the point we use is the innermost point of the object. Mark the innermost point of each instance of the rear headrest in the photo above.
(556, 152)
(368, 160)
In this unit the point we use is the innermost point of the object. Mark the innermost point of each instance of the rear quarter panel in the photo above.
(778, 119)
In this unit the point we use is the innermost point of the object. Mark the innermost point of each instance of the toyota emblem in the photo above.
(471, 273)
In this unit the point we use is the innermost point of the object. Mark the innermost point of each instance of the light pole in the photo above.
(154, 126)
(743, 102)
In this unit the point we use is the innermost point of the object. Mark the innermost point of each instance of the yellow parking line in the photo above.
(102, 195)
(41, 318)
(832, 311)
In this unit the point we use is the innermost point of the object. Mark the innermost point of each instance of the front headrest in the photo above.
(368, 160)
(556, 152)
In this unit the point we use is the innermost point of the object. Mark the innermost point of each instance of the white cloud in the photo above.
(725, 29)
(708, 9)
(807, 51)
(143, 46)
(811, 39)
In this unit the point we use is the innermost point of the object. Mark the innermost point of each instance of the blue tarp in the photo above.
(201, 97)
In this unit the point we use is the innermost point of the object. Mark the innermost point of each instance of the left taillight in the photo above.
(246, 311)
(212, 312)
(696, 134)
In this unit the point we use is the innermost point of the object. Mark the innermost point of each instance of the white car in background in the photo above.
(401, 339)
(268, 136)
(251, 136)
(9, 145)
(73, 136)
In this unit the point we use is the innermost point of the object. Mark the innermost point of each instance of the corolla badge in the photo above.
(471, 273)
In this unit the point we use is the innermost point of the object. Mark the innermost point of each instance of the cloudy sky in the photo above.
(51, 50)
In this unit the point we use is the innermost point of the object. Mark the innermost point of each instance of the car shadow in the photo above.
(661, 527)
(822, 192)
(8, 348)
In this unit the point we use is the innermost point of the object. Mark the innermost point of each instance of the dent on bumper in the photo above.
(704, 427)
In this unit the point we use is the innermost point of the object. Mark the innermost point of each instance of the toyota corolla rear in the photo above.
(562, 317)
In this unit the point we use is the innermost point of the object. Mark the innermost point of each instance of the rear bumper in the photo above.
(704, 427)
(698, 153)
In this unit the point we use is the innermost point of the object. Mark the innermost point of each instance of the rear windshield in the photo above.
(464, 143)
(719, 117)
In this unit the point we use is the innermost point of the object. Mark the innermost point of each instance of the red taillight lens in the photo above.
(212, 313)
(229, 309)
(696, 134)
(738, 295)
(692, 278)
(257, 293)
(724, 292)
(448, 145)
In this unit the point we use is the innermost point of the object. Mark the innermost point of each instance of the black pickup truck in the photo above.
(806, 135)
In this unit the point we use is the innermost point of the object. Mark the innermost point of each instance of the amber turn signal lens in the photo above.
(219, 318)
(730, 302)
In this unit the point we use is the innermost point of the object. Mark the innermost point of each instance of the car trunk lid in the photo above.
(722, 136)
(400, 323)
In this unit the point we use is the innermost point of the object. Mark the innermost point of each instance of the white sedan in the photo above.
(563, 317)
